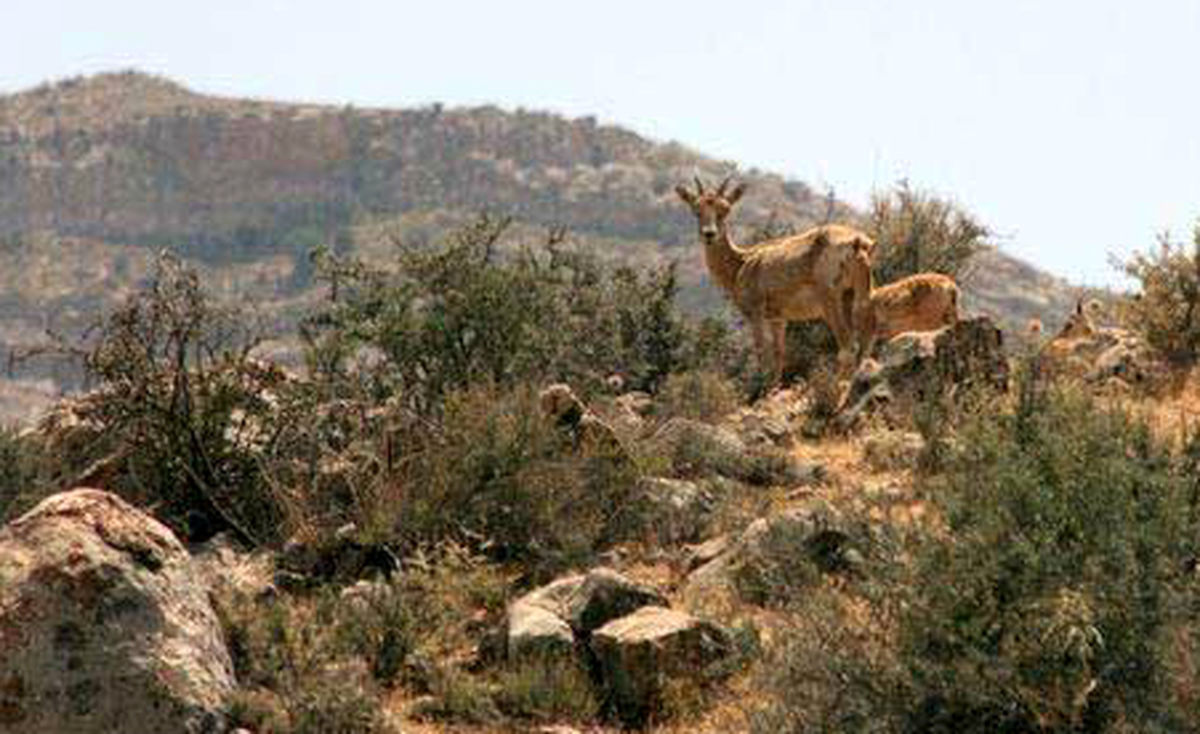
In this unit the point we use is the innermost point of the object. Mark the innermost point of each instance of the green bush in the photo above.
(1070, 532)
(426, 614)
(470, 311)
(697, 394)
(1054, 595)
(180, 410)
(1166, 310)
(459, 697)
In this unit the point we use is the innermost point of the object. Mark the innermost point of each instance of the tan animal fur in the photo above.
(922, 302)
(1062, 351)
(822, 273)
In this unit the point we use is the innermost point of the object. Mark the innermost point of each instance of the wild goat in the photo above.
(1064, 350)
(823, 273)
(922, 302)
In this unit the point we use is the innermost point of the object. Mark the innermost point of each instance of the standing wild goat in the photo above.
(922, 302)
(823, 273)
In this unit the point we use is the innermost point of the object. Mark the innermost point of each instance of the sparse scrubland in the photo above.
(964, 559)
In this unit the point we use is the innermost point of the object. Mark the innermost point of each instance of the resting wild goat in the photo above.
(922, 302)
(823, 273)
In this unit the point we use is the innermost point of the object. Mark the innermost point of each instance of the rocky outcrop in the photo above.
(917, 364)
(773, 421)
(104, 627)
(637, 653)
(587, 432)
(623, 632)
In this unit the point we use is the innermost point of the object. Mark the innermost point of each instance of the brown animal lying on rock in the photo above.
(1100, 354)
(922, 302)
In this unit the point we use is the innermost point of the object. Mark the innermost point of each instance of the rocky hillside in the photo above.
(98, 173)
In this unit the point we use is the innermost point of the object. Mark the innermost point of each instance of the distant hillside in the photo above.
(98, 173)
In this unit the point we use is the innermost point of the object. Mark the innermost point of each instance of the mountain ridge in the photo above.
(99, 172)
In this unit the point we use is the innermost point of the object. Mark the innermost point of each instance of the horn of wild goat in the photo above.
(699, 184)
(721, 188)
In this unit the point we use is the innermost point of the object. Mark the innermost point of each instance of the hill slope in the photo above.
(98, 173)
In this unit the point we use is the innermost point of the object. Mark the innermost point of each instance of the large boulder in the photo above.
(104, 626)
(698, 449)
(639, 652)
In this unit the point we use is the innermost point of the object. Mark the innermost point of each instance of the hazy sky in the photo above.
(1071, 128)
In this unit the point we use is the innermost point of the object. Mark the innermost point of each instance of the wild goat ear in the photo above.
(736, 194)
(688, 197)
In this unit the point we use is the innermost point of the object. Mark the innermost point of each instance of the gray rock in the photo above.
(104, 626)
(553, 617)
(537, 632)
(670, 511)
(814, 525)
(638, 652)
(701, 449)
(605, 595)
(228, 569)
(698, 555)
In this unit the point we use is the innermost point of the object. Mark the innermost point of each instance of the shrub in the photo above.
(295, 677)
(429, 613)
(916, 232)
(459, 697)
(1166, 311)
(697, 394)
(1053, 596)
(495, 474)
(180, 409)
(550, 689)
(831, 670)
(464, 312)
(1069, 533)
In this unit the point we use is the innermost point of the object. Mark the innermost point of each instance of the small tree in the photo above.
(176, 389)
(1167, 309)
